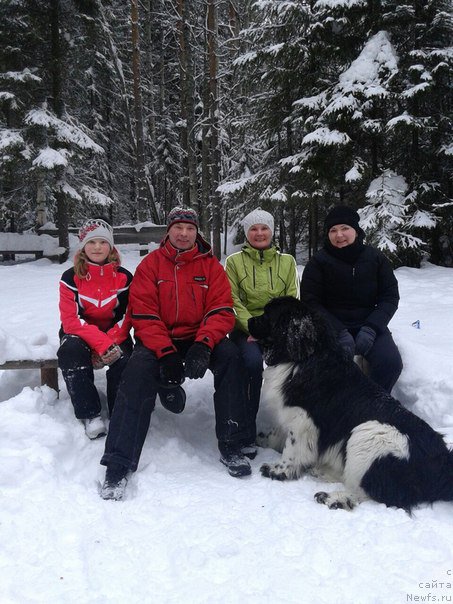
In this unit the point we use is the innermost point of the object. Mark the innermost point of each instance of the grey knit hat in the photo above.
(258, 216)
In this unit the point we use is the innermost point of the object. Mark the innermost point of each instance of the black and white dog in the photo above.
(334, 422)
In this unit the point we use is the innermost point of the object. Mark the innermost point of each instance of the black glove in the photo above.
(197, 360)
(346, 341)
(171, 369)
(364, 340)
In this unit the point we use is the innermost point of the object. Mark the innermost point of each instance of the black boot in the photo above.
(115, 482)
(173, 399)
(249, 450)
(238, 465)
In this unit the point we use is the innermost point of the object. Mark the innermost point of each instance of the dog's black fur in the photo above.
(336, 418)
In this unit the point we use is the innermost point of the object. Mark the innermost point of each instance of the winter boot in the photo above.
(234, 460)
(115, 482)
(173, 399)
(249, 450)
(94, 427)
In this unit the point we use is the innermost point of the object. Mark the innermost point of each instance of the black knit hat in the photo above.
(342, 215)
(179, 214)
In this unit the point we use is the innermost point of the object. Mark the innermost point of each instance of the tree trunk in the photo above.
(142, 189)
(186, 69)
(212, 26)
(62, 217)
(205, 155)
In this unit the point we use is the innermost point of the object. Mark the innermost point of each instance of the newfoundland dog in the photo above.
(335, 423)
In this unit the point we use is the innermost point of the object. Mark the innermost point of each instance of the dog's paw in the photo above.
(274, 471)
(335, 501)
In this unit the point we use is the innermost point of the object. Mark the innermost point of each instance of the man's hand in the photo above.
(197, 360)
(171, 369)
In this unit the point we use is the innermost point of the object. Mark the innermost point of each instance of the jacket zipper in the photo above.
(177, 296)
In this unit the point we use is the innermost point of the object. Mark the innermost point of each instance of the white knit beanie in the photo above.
(94, 229)
(258, 216)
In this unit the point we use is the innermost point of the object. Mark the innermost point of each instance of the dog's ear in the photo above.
(301, 337)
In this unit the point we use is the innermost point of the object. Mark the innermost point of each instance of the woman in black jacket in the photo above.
(353, 285)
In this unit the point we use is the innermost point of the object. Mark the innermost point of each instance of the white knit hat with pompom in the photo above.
(95, 229)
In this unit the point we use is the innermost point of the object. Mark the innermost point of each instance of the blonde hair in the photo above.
(81, 261)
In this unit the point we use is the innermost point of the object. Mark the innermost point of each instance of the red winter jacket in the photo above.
(94, 307)
(180, 295)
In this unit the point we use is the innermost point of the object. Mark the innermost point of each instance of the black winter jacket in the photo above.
(351, 295)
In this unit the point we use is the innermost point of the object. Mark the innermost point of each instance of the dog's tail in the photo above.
(407, 484)
(439, 473)
(446, 478)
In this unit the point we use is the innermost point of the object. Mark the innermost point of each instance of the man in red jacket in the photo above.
(182, 310)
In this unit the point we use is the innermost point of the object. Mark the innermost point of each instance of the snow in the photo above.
(49, 159)
(311, 102)
(326, 137)
(353, 175)
(404, 118)
(365, 74)
(96, 197)
(65, 130)
(9, 139)
(28, 241)
(20, 76)
(414, 90)
(188, 532)
(69, 191)
(339, 3)
(447, 149)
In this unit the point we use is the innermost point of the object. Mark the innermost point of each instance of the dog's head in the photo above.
(287, 330)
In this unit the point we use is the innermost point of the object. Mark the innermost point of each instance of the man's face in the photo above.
(182, 235)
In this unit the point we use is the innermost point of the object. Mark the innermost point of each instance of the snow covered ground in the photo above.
(188, 532)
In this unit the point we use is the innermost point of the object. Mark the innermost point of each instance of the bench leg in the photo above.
(49, 377)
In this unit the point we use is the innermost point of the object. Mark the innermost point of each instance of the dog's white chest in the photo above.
(274, 377)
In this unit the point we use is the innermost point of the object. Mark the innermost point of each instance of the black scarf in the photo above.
(348, 254)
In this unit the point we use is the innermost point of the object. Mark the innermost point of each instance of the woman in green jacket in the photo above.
(258, 273)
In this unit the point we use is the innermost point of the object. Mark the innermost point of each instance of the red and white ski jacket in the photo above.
(95, 307)
(180, 295)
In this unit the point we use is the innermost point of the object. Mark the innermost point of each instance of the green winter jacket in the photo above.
(257, 276)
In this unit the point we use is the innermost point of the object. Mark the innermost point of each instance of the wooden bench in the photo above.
(48, 367)
(11, 254)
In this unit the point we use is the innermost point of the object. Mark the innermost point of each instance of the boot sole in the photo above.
(237, 472)
(176, 393)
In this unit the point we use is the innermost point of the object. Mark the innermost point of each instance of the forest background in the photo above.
(130, 108)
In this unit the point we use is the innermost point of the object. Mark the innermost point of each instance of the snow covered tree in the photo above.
(420, 133)
(338, 82)
(274, 64)
(20, 85)
(389, 218)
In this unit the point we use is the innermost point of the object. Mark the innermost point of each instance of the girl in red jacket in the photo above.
(95, 324)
